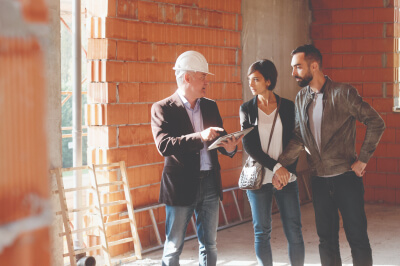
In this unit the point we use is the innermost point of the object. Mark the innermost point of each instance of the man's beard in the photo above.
(304, 81)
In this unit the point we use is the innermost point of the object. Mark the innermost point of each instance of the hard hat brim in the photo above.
(185, 69)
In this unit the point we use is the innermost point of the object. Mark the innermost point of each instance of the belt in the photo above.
(206, 173)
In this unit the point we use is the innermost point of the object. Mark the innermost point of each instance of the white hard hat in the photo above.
(192, 61)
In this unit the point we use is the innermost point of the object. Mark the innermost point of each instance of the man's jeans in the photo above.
(345, 193)
(206, 209)
(289, 208)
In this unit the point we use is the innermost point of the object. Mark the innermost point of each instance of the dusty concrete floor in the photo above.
(235, 244)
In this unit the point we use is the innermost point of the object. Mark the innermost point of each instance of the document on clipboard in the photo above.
(236, 134)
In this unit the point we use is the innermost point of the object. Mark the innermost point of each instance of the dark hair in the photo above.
(311, 53)
(267, 69)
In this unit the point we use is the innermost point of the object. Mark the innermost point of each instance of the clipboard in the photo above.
(237, 134)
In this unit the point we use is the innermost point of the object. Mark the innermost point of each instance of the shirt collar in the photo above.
(321, 91)
(186, 102)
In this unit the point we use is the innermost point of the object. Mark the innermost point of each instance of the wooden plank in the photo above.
(113, 203)
(122, 221)
(103, 237)
(64, 212)
(135, 235)
(121, 241)
(81, 230)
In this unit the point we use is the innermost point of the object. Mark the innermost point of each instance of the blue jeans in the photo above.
(289, 208)
(344, 193)
(206, 209)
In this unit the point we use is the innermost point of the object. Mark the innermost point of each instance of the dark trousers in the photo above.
(344, 193)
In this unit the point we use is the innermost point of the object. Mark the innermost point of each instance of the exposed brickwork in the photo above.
(132, 48)
(359, 43)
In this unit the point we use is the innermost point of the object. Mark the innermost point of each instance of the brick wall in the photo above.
(132, 48)
(359, 43)
(24, 195)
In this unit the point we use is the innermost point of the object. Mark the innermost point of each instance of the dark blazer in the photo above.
(251, 142)
(180, 145)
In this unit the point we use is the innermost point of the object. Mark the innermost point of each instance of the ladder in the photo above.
(98, 207)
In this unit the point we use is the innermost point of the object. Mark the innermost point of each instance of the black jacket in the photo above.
(180, 145)
(251, 142)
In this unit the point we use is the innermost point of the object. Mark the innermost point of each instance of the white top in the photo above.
(264, 129)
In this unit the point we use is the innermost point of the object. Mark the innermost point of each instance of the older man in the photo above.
(183, 126)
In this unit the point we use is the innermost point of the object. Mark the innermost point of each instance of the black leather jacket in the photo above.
(342, 107)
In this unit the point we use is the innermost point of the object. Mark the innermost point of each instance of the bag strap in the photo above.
(273, 124)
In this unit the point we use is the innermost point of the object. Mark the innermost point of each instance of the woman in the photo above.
(260, 112)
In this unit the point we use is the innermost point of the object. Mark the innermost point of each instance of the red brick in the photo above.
(383, 14)
(116, 114)
(229, 108)
(353, 60)
(362, 45)
(392, 89)
(389, 136)
(371, 166)
(373, 60)
(147, 11)
(342, 16)
(381, 150)
(113, 71)
(134, 135)
(373, 3)
(143, 154)
(218, 91)
(326, 4)
(332, 61)
(363, 15)
(373, 30)
(393, 180)
(342, 45)
(115, 155)
(372, 90)
(375, 179)
(166, 13)
(393, 150)
(322, 16)
(369, 195)
(138, 114)
(392, 60)
(353, 30)
(393, 120)
(136, 31)
(127, 9)
(341, 75)
(353, 4)
(114, 28)
(387, 165)
(138, 72)
(397, 196)
(128, 92)
(143, 175)
(383, 45)
(385, 195)
(127, 51)
(383, 105)
(390, 30)
(397, 135)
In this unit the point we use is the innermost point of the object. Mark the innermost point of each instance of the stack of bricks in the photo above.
(24, 185)
(359, 42)
(132, 47)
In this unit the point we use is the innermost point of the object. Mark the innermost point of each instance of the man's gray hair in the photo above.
(180, 76)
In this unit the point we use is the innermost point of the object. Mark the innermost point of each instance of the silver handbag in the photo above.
(252, 175)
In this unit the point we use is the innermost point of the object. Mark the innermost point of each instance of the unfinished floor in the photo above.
(235, 244)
